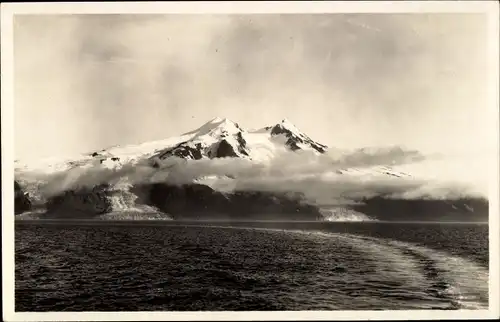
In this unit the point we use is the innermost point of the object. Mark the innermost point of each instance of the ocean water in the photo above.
(190, 266)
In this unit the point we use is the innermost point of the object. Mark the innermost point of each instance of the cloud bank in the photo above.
(315, 176)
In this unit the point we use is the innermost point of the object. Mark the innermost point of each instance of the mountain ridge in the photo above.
(220, 138)
(217, 138)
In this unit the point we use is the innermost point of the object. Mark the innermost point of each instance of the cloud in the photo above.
(314, 176)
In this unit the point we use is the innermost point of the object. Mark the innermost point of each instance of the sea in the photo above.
(249, 266)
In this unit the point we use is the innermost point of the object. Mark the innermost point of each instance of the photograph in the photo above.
(250, 159)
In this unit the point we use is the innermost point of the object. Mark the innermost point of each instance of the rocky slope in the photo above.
(457, 210)
(189, 201)
(196, 201)
(22, 202)
(80, 203)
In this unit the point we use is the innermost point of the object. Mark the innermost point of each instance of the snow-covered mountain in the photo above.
(105, 189)
(218, 138)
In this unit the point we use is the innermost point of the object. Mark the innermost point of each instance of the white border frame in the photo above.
(8, 10)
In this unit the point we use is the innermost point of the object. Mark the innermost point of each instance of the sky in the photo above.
(86, 82)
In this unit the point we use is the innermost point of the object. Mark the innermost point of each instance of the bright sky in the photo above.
(86, 82)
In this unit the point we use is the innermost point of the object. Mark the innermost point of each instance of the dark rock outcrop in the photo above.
(22, 201)
(225, 150)
(196, 201)
(81, 203)
(381, 208)
(242, 144)
(190, 201)
(183, 150)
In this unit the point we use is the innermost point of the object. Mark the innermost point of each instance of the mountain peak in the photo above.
(217, 124)
(219, 120)
(285, 123)
(219, 137)
(296, 140)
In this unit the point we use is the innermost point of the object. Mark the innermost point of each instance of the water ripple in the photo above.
(189, 267)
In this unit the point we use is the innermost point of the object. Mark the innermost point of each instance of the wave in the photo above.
(463, 280)
(456, 281)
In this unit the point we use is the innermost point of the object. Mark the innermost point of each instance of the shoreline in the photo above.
(177, 222)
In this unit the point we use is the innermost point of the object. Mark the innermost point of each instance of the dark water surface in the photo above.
(139, 266)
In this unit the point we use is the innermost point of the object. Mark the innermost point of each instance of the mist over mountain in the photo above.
(221, 170)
